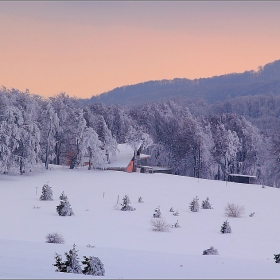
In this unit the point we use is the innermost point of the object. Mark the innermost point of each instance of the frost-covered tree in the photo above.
(225, 228)
(125, 204)
(109, 143)
(64, 208)
(47, 193)
(49, 126)
(54, 238)
(206, 204)
(71, 264)
(93, 147)
(93, 266)
(194, 205)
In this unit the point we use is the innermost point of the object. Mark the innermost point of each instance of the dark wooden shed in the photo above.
(241, 178)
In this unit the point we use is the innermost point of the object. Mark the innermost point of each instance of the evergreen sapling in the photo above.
(47, 193)
(225, 228)
(206, 204)
(64, 208)
(93, 266)
(194, 206)
(125, 205)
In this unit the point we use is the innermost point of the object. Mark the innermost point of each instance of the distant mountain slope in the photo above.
(218, 88)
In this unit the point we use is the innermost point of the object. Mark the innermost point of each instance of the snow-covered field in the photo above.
(124, 241)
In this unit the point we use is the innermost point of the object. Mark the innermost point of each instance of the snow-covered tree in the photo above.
(206, 204)
(49, 126)
(93, 266)
(225, 228)
(72, 263)
(125, 204)
(47, 193)
(109, 143)
(277, 258)
(64, 208)
(194, 205)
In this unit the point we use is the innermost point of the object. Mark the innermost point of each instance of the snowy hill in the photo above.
(124, 240)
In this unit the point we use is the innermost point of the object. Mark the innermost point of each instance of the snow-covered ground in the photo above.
(124, 241)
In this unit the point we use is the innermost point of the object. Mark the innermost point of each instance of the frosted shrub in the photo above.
(206, 204)
(140, 199)
(225, 228)
(277, 258)
(125, 204)
(171, 209)
(234, 210)
(93, 266)
(210, 251)
(176, 225)
(194, 206)
(54, 238)
(252, 214)
(157, 213)
(160, 225)
(176, 213)
(47, 193)
(64, 208)
(71, 265)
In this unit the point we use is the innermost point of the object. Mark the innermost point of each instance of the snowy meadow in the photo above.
(124, 240)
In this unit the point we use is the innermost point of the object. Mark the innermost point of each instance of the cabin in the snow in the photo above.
(240, 178)
(125, 160)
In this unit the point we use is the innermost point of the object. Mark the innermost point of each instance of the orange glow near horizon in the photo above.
(85, 59)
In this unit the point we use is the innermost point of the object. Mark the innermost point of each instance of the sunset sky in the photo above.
(87, 48)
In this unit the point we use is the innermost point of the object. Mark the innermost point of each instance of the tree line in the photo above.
(60, 130)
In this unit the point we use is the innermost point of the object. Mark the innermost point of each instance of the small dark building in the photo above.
(240, 178)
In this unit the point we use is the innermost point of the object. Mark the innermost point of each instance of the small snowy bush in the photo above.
(54, 238)
(157, 213)
(206, 204)
(176, 225)
(225, 228)
(210, 251)
(140, 199)
(64, 208)
(93, 266)
(176, 213)
(71, 265)
(194, 206)
(47, 193)
(160, 225)
(171, 209)
(277, 258)
(125, 204)
(252, 214)
(234, 210)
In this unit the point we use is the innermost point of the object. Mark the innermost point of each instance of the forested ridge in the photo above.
(203, 140)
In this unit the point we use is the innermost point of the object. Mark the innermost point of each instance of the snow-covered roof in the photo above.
(242, 175)
(123, 156)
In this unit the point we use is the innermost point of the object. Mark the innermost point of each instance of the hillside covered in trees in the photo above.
(218, 88)
(240, 135)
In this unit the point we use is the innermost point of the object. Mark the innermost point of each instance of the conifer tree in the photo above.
(72, 261)
(125, 205)
(63, 196)
(157, 213)
(47, 193)
(64, 208)
(194, 206)
(277, 258)
(206, 204)
(60, 265)
(93, 266)
(225, 228)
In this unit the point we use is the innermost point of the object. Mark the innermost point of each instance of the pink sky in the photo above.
(87, 48)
